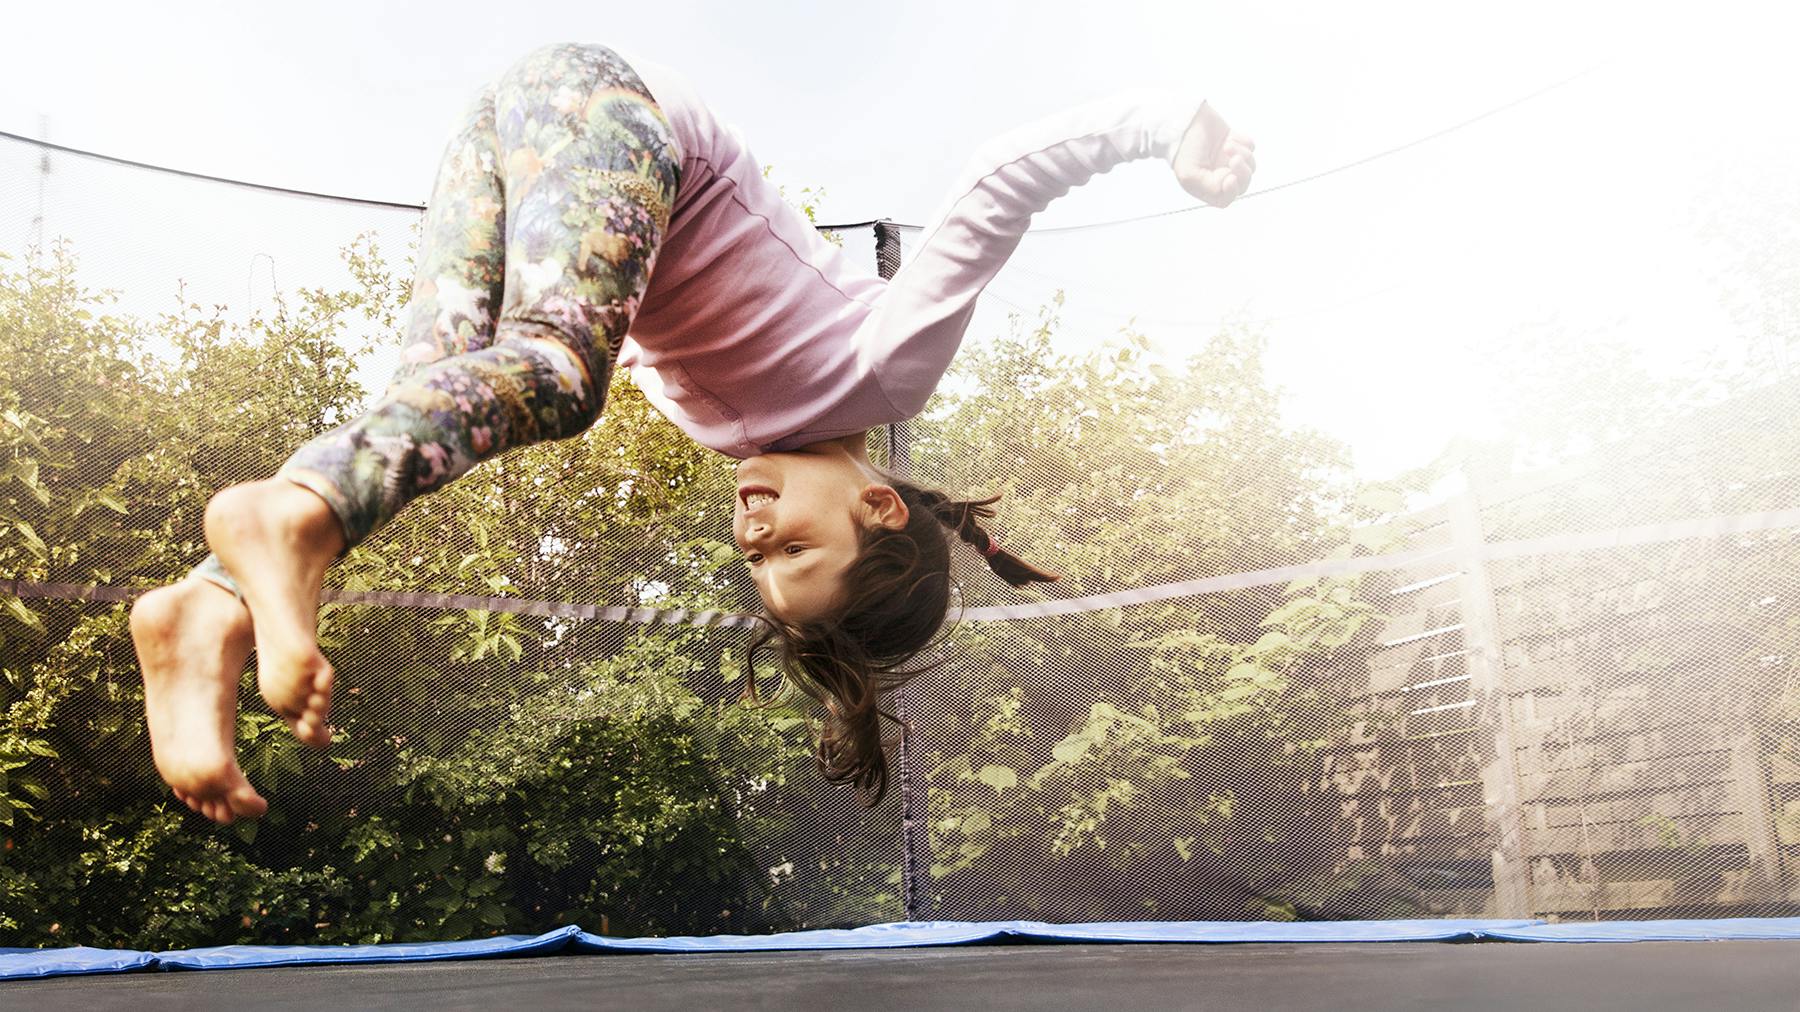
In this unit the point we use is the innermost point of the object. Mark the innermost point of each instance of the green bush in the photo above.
(500, 772)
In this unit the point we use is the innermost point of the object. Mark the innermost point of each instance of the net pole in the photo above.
(1499, 776)
(887, 264)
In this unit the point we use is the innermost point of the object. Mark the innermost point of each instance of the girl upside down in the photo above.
(593, 213)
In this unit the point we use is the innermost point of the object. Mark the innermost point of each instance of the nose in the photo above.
(755, 532)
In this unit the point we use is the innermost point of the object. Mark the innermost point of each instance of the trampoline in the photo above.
(1287, 735)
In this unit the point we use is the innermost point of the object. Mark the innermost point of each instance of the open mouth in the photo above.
(753, 496)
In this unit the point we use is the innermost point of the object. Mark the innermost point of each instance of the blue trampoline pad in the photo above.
(1737, 929)
(920, 933)
(27, 964)
(21, 964)
(223, 957)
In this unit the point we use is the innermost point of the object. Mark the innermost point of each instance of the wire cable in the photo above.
(1334, 170)
(265, 187)
(1347, 166)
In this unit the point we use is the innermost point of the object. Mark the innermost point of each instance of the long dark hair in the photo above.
(897, 594)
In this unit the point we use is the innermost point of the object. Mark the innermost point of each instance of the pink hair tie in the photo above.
(992, 548)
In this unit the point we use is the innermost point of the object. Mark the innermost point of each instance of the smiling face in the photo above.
(799, 518)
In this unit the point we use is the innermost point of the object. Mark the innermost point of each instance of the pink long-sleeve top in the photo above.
(755, 335)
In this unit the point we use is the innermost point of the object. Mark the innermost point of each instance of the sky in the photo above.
(1385, 288)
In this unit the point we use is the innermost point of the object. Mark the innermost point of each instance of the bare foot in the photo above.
(192, 639)
(275, 539)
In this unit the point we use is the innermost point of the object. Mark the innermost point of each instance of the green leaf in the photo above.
(1301, 586)
(27, 473)
(1000, 778)
(1270, 679)
(1272, 641)
(1286, 613)
(1071, 749)
(1243, 672)
(32, 541)
(16, 608)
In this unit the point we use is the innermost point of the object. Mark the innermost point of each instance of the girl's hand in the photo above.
(1214, 163)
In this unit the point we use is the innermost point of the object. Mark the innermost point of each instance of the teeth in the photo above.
(756, 499)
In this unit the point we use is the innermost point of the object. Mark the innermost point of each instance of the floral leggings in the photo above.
(543, 226)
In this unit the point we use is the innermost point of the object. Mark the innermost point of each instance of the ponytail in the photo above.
(964, 518)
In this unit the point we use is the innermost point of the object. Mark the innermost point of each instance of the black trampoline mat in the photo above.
(1630, 977)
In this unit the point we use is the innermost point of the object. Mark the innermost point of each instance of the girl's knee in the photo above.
(569, 72)
(567, 370)
(586, 88)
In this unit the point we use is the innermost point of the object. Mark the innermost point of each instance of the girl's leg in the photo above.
(542, 231)
(577, 164)
(549, 207)
(581, 168)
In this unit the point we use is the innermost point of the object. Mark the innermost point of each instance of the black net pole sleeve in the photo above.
(887, 264)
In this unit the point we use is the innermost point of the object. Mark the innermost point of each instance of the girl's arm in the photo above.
(916, 329)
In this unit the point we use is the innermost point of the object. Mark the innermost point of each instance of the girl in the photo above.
(593, 212)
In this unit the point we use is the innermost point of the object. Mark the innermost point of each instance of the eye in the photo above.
(756, 557)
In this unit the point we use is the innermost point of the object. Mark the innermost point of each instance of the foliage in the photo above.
(1118, 743)
(606, 800)
(504, 772)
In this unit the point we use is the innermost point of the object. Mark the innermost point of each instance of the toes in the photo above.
(245, 803)
(293, 694)
(239, 802)
(312, 729)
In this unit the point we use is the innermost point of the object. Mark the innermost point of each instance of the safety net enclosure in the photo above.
(1543, 668)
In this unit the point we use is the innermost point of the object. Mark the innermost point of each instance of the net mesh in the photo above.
(1533, 676)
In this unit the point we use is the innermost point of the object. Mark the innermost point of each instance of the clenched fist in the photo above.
(1214, 163)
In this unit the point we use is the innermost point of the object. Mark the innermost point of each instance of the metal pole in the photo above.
(887, 264)
(37, 222)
